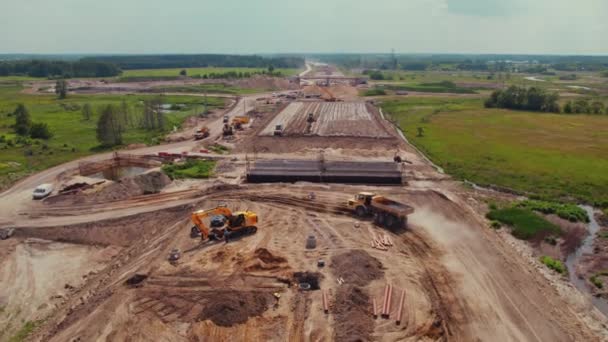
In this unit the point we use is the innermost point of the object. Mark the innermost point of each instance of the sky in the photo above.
(287, 26)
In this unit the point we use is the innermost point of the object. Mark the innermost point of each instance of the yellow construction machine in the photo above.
(386, 212)
(224, 223)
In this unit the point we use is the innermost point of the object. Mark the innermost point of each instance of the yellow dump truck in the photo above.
(386, 212)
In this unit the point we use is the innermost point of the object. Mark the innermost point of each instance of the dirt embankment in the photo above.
(352, 314)
(148, 183)
(119, 232)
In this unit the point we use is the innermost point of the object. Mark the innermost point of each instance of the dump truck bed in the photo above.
(396, 208)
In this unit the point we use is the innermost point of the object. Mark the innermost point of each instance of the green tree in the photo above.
(597, 107)
(568, 107)
(23, 121)
(109, 128)
(61, 88)
(40, 130)
(87, 111)
(270, 69)
(183, 72)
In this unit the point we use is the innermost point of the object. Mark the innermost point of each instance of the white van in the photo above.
(42, 191)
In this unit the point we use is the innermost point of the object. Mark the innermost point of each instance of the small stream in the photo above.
(573, 259)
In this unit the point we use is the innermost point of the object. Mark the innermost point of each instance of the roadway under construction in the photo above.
(321, 171)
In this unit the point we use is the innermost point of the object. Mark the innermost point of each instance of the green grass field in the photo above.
(190, 169)
(524, 222)
(197, 71)
(73, 136)
(554, 156)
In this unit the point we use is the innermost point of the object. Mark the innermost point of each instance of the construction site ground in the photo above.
(99, 270)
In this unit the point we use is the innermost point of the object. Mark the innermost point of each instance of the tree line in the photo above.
(522, 98)
(58, 69)
(199, 61)
(539, 100)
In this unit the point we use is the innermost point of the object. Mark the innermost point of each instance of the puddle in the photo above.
(578, 87)
(574, 258)
(115, 173)
(532, 78)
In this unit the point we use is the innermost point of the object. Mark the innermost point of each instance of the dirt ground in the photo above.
(446, 265)
(462, 280)
(92, 86)
(29, 286)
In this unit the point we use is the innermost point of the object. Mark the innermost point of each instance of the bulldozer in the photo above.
(233, 225)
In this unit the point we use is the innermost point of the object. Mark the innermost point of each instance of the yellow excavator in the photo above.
(224, 223)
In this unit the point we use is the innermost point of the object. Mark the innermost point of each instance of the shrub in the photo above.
(568, 212)
(595, 280)
(525, 223)
(554, 264)
(190, 169)
(495, 224)
(40, 130)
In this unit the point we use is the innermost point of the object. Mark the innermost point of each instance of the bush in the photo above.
(570, 212)
(40, 130)
(525, 223)
(495, 224)
(554, 264)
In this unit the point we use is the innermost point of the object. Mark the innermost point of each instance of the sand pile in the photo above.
(233, 307)
(264, 260)
(357, 267)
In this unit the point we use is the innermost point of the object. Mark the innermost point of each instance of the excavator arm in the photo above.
(199, 216)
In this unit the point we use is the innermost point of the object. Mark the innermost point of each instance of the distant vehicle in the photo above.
(42, 191)
(278, 130)
(226, 118)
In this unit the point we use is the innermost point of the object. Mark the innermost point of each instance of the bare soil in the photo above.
(356, 267)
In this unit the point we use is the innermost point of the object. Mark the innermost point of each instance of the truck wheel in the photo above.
(390, 221)
(253, 230)
(380, 219)
(361, 211)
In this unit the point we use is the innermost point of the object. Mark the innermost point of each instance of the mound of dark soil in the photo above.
(233, 307)
(356, 267)
(354, 321)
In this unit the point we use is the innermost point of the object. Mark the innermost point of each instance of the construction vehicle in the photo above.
(329, 95)
(278, 130)
(226, 119)
(239, 121)
(235, 224)
(227, 130)
(385, 211)
(201, 133)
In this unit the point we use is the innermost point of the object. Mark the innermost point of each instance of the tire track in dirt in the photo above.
(451, 315)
